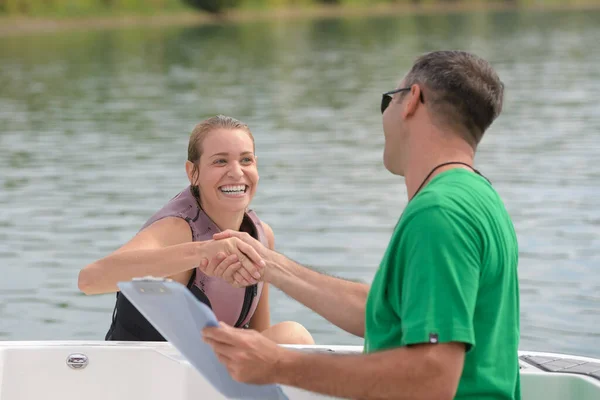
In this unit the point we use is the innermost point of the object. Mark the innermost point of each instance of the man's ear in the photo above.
(412, 102)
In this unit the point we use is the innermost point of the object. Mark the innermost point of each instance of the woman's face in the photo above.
(227, 174)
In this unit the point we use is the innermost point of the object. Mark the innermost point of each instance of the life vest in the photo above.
(234, 306)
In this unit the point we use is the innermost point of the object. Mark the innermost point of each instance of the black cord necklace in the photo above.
(443, 165)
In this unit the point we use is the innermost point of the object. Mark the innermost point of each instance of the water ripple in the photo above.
(94, 130)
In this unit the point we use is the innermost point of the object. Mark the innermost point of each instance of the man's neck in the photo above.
(418, 169)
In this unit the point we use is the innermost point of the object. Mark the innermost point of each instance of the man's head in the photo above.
(456, 92)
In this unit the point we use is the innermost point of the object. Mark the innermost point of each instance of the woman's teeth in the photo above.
(233, 189)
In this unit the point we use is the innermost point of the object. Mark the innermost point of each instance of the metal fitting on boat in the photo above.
(77, 361)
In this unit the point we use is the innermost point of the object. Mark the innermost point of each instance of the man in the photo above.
(441, 319)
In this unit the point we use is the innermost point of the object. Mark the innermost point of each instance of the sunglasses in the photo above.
(387, 97)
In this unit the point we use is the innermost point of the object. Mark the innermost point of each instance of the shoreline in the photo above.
(19, 25)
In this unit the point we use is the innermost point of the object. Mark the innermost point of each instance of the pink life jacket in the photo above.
(234, 306)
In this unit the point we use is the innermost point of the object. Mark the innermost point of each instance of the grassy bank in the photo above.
(51, 15)
(88, 8)
(107, 8)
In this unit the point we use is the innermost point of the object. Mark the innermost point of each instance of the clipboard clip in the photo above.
(150, 278)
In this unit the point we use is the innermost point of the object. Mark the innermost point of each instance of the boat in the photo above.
(100, 370)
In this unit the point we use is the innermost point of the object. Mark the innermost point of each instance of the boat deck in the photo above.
(563, 365)
(99, 370)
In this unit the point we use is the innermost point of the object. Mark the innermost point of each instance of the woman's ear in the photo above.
(189, 170)
(257, 174)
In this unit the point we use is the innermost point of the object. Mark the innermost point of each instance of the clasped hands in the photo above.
(236, 257)
(248, 355)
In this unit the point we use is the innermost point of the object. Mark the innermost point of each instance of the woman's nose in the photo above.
(235, 171)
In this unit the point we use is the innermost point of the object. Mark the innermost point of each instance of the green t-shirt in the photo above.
(449, 274)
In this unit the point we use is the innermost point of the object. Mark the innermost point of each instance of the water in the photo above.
(94, 129)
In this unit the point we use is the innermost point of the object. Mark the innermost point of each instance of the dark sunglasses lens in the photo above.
(385, 102)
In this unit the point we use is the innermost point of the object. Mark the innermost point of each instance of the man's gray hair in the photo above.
(461, 89)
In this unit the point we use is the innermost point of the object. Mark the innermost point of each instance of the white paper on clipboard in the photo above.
(179, 317)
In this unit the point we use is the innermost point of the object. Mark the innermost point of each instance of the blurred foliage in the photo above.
(86, 7)
(112, 7)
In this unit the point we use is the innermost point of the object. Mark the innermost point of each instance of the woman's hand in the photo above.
(236, 263)
(233, 260)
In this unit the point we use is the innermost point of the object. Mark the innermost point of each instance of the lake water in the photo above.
(94, 129)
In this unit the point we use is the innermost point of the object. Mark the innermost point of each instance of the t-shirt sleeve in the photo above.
(441, 256)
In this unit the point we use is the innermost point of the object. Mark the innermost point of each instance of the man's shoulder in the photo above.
(430, 205)
(460, 206)
(457, 182)
(456, 191)
(451, 205)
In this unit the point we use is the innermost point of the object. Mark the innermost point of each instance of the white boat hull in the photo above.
(157, 371)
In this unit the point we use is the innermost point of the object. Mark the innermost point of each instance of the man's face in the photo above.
(394, 131)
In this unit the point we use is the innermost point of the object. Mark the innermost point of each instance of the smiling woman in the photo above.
(173, 243)
(224, 180)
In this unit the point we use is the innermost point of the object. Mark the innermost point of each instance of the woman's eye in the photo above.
(247, 160)
(220, 161)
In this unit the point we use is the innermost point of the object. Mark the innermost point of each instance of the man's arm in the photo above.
(428, 371)
(339, 301)
(425, 371)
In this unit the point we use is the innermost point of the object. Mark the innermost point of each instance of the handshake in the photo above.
(235, 257)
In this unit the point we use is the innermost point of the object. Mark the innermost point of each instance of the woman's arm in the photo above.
(163, 249)
(261, 319)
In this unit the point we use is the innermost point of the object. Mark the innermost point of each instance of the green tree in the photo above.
(213, 6)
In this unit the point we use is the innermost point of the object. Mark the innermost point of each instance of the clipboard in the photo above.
(179, 317)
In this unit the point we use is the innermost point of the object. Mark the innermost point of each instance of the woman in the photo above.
(223, 177)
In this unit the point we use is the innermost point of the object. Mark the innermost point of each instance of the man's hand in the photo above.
(248, 356)
(258, 247)
(235, 268)
(233, 260)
